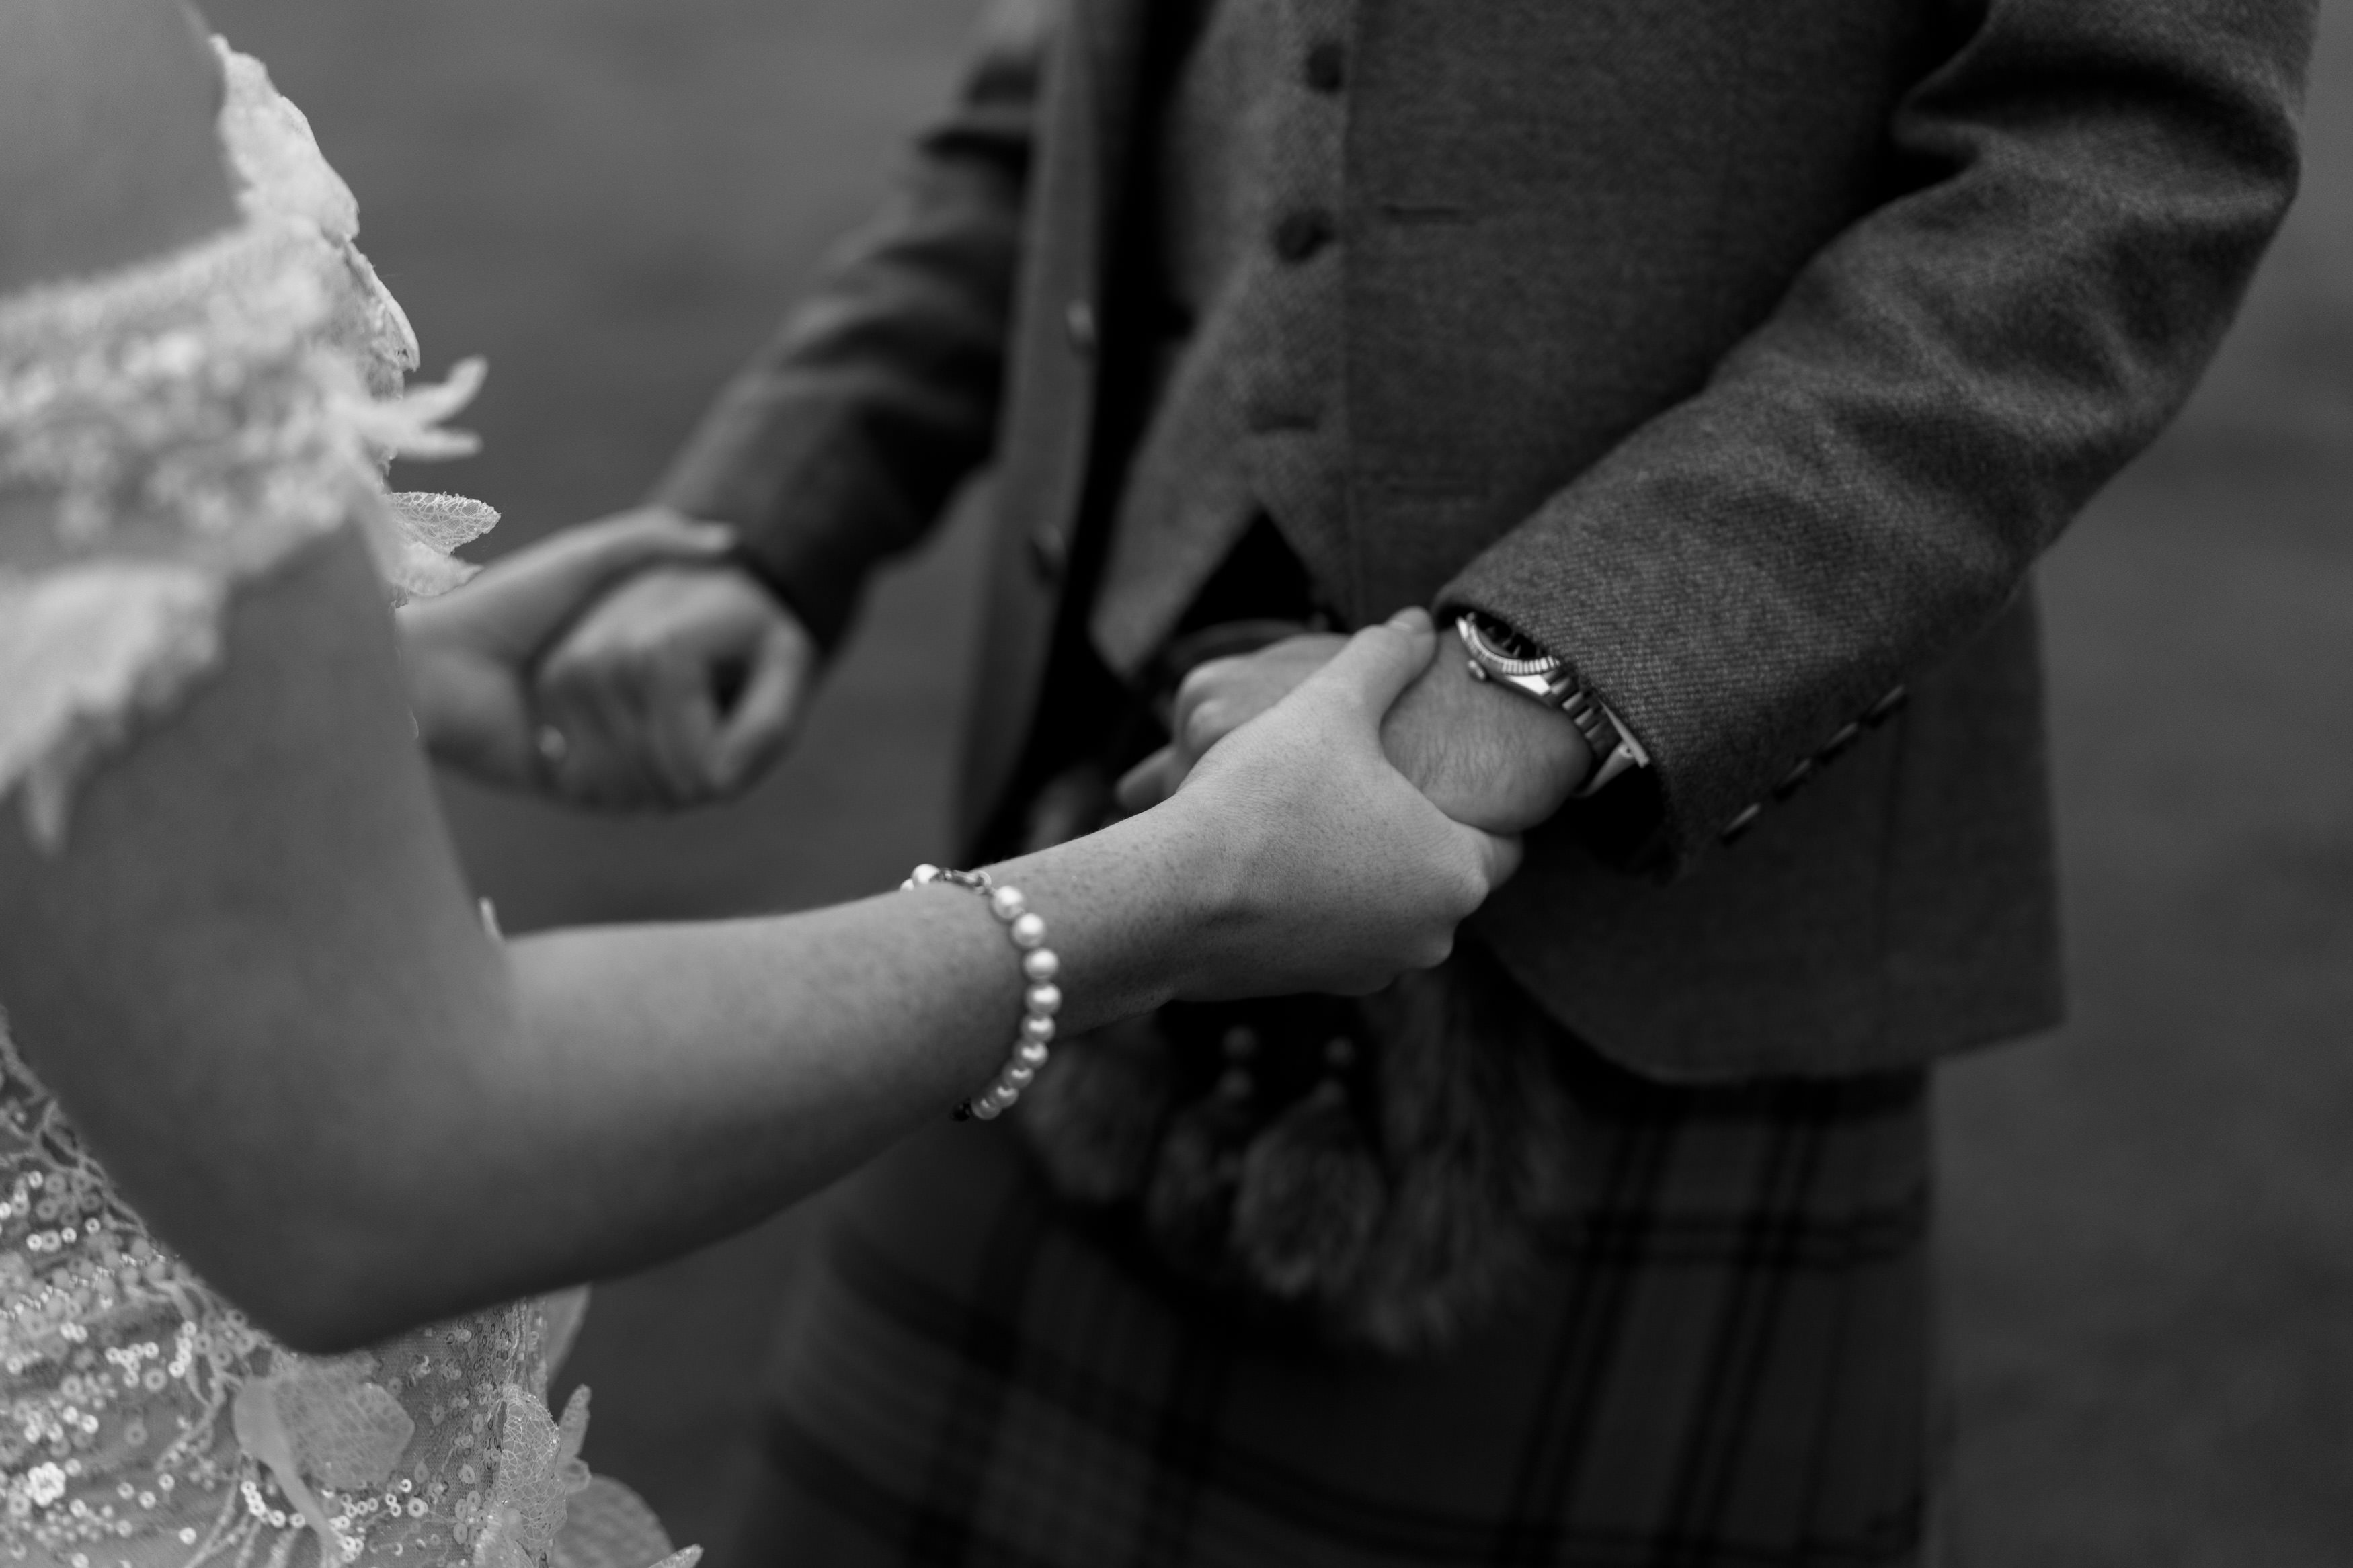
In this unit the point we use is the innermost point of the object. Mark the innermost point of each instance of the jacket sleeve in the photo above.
(2081, 190)
(843, 438)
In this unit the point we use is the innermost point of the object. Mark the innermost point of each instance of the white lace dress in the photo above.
(194, 420)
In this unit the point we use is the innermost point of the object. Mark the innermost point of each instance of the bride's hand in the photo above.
(469, 654)
(1344, 874)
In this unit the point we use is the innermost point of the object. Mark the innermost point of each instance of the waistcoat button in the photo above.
(1326, 67)
(1048, 551)
(1301, 234)
(1079, 326)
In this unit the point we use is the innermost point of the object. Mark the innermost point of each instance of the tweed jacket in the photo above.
(1747, 355)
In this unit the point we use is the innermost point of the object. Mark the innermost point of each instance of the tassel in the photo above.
(1310, 1200)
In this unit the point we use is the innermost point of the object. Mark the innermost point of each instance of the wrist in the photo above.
(1139, 911)
(1568, 759)
(1201, 885)
(1501, 656)
(761, 573)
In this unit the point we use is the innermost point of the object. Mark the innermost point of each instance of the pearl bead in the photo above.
(1041, 998)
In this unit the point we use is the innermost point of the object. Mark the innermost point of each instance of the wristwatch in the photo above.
(1499, 653)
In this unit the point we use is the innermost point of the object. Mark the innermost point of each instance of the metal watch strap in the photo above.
(1554, 680)
(1615, 752)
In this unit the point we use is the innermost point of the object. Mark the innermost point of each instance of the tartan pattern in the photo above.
(1723, 1363)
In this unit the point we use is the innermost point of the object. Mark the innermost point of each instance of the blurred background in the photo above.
(2148, 1213)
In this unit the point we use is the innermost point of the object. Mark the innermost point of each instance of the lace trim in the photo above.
(172, 428)
(180, 428)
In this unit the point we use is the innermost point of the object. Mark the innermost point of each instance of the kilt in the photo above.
(1722, 1360)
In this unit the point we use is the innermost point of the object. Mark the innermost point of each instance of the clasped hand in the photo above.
(628, 663)
(624, 664)
(1488, 758)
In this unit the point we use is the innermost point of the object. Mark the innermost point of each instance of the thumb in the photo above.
(1375, 666)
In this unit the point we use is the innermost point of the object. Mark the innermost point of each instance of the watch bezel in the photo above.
(1498, 662)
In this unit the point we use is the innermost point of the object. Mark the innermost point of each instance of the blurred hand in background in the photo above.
(470, 655)
(677, 686)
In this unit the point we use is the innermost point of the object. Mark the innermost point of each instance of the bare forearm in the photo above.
(256, 977)
(656, 1087)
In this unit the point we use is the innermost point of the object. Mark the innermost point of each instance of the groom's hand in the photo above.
(1490, 759)
(677, 687)
(470, 655)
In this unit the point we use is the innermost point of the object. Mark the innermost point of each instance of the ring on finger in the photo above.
(552, 745)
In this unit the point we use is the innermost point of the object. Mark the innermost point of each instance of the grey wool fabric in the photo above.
(1246, 169)
(1747, 355)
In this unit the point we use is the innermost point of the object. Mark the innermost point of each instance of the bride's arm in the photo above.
(255, 976)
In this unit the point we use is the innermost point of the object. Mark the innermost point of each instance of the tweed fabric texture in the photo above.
(1722, 1362)
(1246, 172)
(1748, 356)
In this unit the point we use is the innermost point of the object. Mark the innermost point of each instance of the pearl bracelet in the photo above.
(1041, 998)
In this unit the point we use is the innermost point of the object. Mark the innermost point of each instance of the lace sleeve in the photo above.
(166, 433)
(173, 428)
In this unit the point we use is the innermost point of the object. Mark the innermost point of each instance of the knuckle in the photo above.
(1204, 725)
(1213, 676)
(1218, 672)
(1195, 689)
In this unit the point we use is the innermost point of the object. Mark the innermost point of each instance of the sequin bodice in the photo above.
(165, 432)
(147, 1423)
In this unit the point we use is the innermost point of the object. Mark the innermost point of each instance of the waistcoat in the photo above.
(1245, 179)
